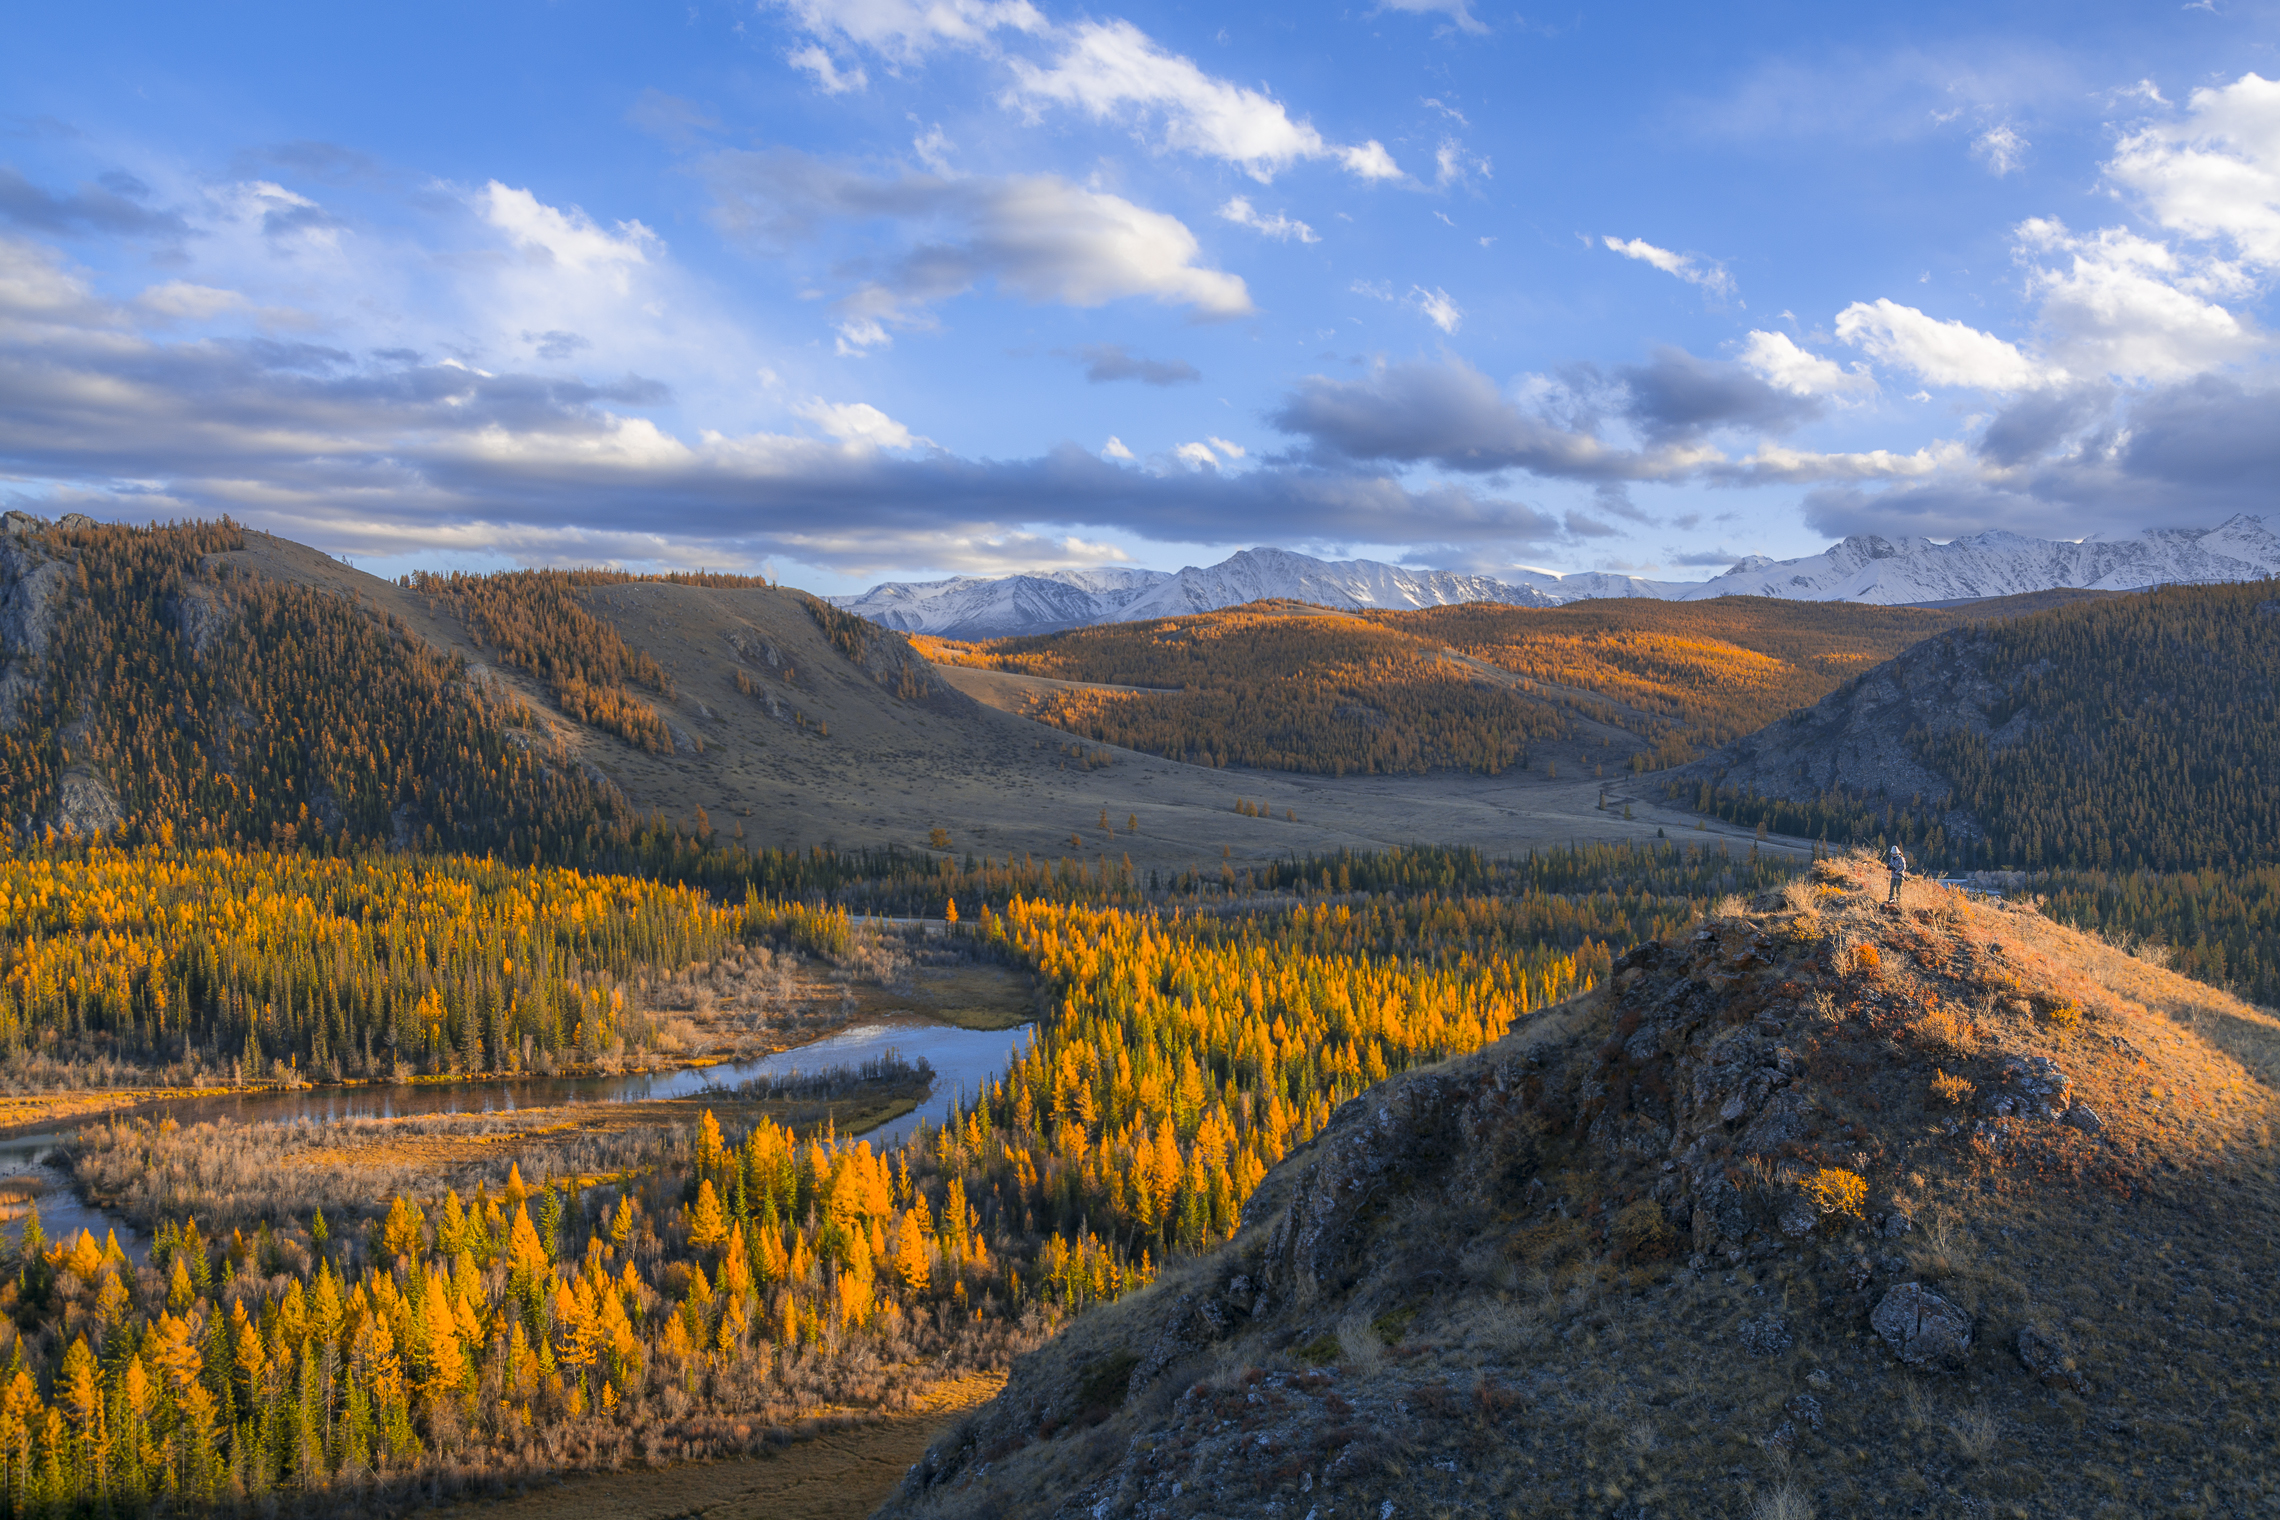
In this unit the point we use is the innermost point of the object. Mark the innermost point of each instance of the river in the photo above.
(963, 1060)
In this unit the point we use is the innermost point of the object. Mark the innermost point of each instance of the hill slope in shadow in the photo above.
(1825, 1208)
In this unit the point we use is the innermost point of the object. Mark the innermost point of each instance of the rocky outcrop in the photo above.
(1923, 1329)
(85, 805)
(200, 613)
(33, 583)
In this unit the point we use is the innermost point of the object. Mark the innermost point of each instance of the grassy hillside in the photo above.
(1472, 688)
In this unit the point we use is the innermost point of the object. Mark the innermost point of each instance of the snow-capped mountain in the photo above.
(1587, 584)
(1256, 574)
(1863, 568)
(974, 608)
(1903, 571)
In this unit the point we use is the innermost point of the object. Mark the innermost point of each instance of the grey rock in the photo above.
(1923, 1329)
(85, 806)
(2034, 1086)
(2084, 1118)
(1897, 1224)
(1798, 1217)
(1805, 1410)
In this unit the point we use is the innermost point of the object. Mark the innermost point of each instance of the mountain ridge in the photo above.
(1867, 568)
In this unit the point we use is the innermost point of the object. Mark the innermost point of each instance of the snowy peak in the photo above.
(1258, 574)
(1865, 567)
(973, 608)
(1898, 572)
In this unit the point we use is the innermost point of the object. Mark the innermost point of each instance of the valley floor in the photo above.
(828, 1471)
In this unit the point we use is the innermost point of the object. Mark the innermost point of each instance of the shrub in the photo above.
(1939, 1029)
(1837, 1192)
(1952, 1090)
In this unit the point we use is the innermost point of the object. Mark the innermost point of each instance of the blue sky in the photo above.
(866, 289)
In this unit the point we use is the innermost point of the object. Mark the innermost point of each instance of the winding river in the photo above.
(963, 1060)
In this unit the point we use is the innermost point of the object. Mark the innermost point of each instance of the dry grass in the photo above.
(1788, 1502)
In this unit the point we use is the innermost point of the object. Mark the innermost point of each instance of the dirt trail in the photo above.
(834, 1475)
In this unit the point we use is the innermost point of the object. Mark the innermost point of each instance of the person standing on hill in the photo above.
(1899, 864)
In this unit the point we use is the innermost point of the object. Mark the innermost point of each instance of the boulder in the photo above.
(2084, 1118)
(1923, 1329)
(2034, 1086)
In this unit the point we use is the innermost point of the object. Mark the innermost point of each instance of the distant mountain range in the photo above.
(1863, 568)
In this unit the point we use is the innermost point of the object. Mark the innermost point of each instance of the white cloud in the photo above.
(1370, 161)
(1438, 308)
(1451, 163)
(1037, 237)
(1240, 211)
(1197, 454)
(181, 301)
(570, 240)
(1113, 69)
(904, 29)
(1691, 268)
(933, 149)
(828, 77)
(1781, 363)
(1230, 450)
(1459, 12)
(1772, 463)
(2001, 149)
(2216, 174)
(2129, 307)
(859, 424)
(1115, 449)
(1942, 353)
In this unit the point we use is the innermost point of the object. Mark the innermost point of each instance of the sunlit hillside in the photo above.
(1286, 686)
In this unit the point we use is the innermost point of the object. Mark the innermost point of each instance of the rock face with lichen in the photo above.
(1687, 1235)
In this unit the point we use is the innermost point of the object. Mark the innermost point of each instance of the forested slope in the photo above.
(2122, 753)
(151, 692)
(1471, 688)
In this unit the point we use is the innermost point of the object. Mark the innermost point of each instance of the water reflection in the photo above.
(963, 1060)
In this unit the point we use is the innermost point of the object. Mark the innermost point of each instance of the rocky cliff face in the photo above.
(1821, 1203)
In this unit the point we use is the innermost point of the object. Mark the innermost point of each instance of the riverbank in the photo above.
(983, 998)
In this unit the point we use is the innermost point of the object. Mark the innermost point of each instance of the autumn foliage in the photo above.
(1292, 687)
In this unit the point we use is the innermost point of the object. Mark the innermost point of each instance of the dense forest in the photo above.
(2150, 724)
(1290, 687)
(454, 1341)
(250, 962)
